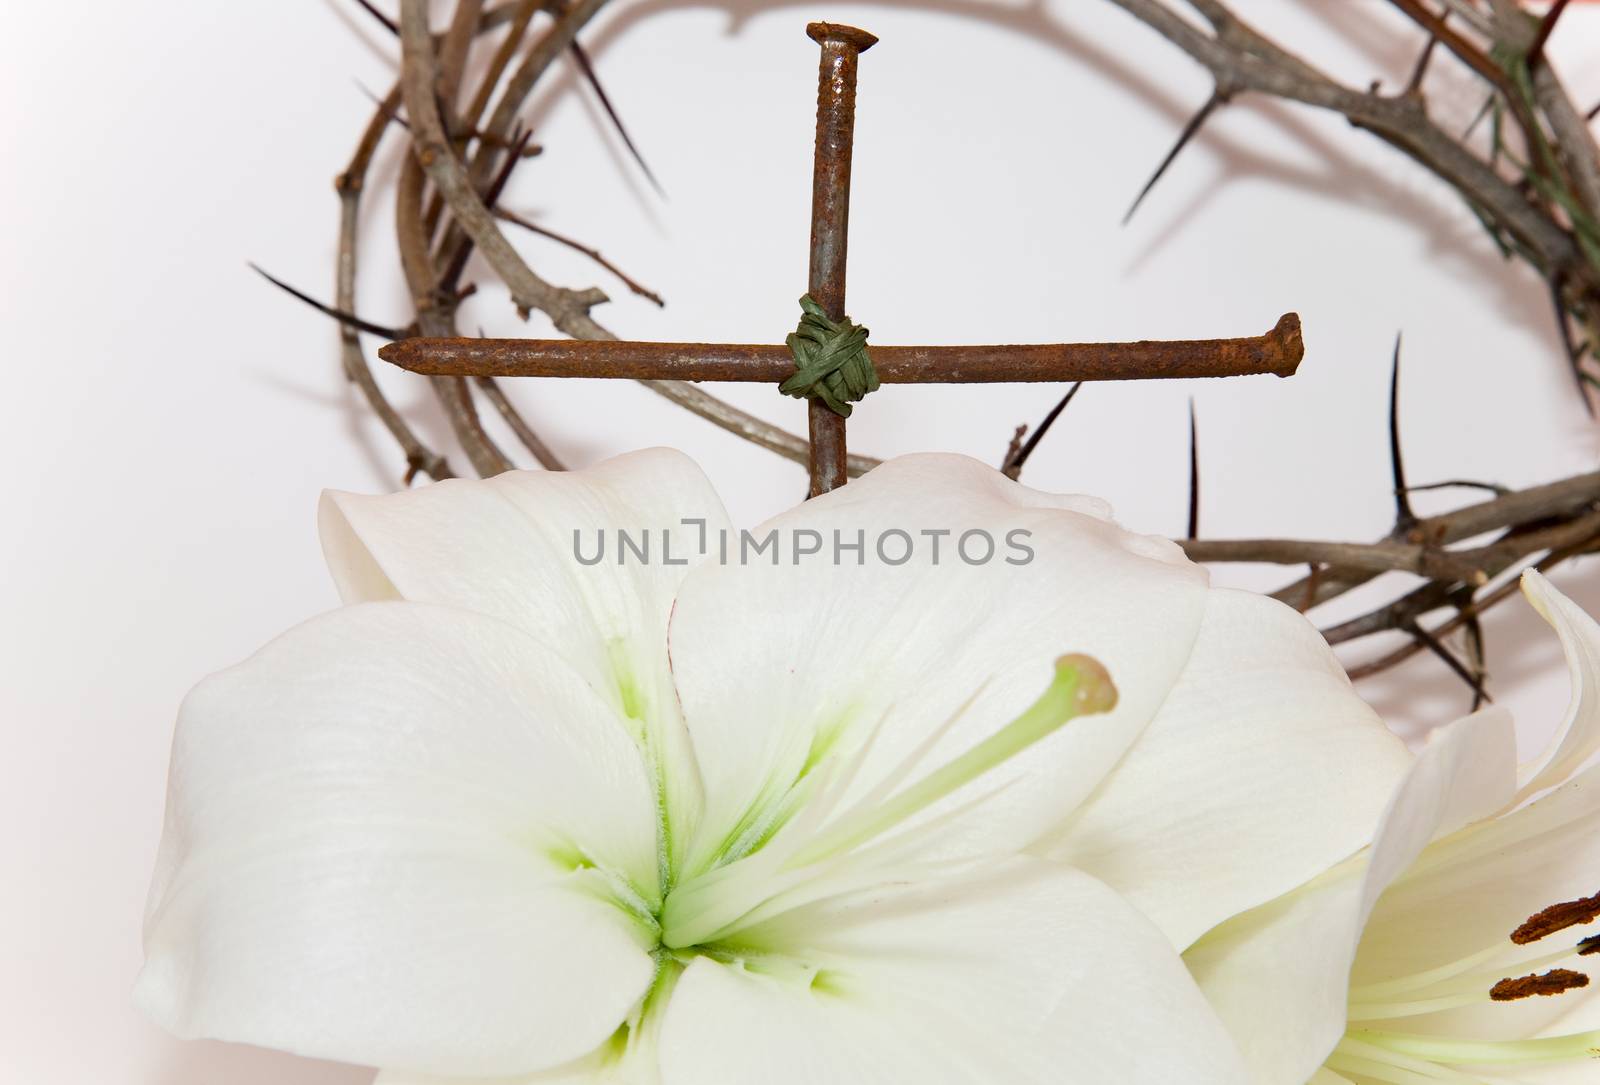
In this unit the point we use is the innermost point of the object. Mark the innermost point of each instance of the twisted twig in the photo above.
(1547, 210)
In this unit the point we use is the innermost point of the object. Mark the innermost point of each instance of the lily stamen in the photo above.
(1421, 981)
(1557, 917)
(1392, 1067)
(1554, 982)
(1399, 1058)
(1445, 1049)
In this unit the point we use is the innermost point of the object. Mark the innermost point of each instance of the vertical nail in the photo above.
(830, 218)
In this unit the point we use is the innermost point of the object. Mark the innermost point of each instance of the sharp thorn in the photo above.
(577, 246)
(1404, 517)
(1189, 130)
(347, 319)
(1437, 647)
(1573, 350)
(491, 196)
(1014, 467)
(393, 114)
(582, 58)
(1477, 119)
(1414, 84)
(388, 24)
(1546, 26)
(1194, 474)
(1476, 657)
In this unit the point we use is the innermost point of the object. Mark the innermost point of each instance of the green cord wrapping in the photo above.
(830, 359)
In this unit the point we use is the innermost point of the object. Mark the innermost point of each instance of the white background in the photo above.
(167, 419)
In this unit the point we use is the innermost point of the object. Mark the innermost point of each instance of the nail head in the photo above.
(823, 33)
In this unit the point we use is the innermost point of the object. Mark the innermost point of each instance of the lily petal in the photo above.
(597, 1068)
(516, 547)
(1021, 972)
(1578, 738)
(1581, 1015)
(398, 835)
(1279, 975)
(505, 546)
(1489, 877)
(1262, 769)
(842, 651)
(1473, 888)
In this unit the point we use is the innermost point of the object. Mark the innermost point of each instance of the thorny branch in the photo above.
(1533, 181)
(1534, 184)
(454, 158)
(1537, 527)
(349, 185)
(1535, 187)
(578, 246)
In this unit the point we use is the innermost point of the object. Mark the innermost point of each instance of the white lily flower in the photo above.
(508, 813)
(1455, 949)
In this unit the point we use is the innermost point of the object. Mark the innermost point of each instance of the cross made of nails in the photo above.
(1278, 351)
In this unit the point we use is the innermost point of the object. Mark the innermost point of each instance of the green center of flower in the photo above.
(1373, 1050)
(819, 844)
(803, 844)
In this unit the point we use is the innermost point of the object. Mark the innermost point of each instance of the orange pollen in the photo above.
(1553, 982)
(1557, 917)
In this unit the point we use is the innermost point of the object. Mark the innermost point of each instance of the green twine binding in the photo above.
(830, 360)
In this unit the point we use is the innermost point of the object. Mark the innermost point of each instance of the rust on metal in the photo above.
(830, 219)
(1277, 352)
